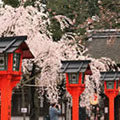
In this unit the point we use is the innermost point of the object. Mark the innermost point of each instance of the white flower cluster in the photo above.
(93, 83)
(48, 54)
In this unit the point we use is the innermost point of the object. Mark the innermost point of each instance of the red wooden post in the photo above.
(6, 94)
(111, 108)
(6, 99)
(75, 92)
(75, 106)
(111, 94)
(75, 81)
(111, 88)
(12, 52)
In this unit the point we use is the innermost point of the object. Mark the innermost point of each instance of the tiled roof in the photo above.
(10, 44)
(110, 76)
(95, 34)
(75, 66)
(104, 43)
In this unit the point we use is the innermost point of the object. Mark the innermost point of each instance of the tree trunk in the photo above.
(34, 101)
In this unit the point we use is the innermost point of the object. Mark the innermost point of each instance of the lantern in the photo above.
(75, 71)
(75, 81)
(3, 61)
(110, 84)
(111, 88)
(12, 51)
(73, 78)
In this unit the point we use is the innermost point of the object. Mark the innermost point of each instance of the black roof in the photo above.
(75, 66)
(110, 76)
(10, 44)
(104, 43)
(108, 33)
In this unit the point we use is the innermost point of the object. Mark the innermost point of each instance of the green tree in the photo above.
(29, 2)
(85, 14)
(101, 14)
(16, 3)
(13, 3)
(109, 15)
(78, 11)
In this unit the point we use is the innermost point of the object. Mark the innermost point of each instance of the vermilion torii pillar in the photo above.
(75, 81)
(12, 51)
(111, 84)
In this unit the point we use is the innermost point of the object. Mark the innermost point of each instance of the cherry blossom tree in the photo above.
(48, 54)
(93, 84)
(33, 23)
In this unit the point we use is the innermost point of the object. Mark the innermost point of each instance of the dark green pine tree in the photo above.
(79, 11)
(16, 3)
(29, 2)
(13, 3)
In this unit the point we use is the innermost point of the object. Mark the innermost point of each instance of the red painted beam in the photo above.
(111, 94)
(75, 90)
(6, 93)
(75, 107)
(111, 108)
(6, 104)
(6, 85)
